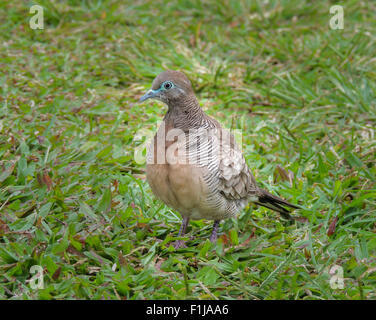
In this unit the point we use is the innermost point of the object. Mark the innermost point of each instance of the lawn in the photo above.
(73, 195)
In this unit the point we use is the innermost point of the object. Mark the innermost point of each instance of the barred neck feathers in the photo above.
(186, 114)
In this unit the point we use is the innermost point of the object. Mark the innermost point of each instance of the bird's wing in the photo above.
(235, 179)
(227, 169)
(236, 182)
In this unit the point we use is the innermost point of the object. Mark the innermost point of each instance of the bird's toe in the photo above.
(179, 244)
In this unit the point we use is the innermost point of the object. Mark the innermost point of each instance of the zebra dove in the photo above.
(194, 165)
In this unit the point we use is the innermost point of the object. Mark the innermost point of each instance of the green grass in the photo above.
(74, 200)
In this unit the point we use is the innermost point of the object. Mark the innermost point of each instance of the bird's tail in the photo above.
(275, 203)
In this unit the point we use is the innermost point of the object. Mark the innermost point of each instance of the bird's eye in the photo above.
(167, 85)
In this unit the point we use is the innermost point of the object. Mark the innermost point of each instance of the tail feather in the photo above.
(275, 203)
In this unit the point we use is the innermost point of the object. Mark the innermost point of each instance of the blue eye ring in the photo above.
(167, 85)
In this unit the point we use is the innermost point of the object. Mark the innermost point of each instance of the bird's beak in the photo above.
(150, 94)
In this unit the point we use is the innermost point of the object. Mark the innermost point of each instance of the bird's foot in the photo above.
(213, 238)
(179, 244)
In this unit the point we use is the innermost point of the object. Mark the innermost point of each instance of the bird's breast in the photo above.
(179, 186)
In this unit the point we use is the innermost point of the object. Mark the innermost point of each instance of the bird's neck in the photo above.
(185, 113)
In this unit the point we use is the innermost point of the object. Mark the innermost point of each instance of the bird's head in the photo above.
(169, 86)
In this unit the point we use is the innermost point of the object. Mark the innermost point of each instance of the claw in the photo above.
(179, 244)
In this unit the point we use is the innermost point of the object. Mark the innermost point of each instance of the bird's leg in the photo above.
(213, 236)
(181, 243)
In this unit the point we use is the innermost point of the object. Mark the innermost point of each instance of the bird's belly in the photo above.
(181, 187)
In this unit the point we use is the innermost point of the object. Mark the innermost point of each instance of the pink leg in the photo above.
(181, 243)
(213, 236)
